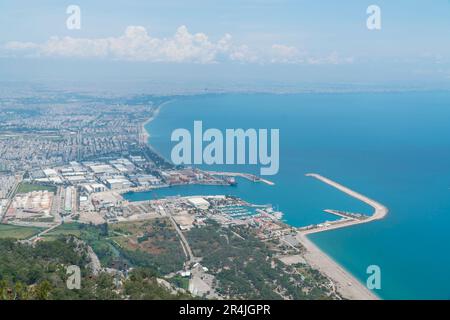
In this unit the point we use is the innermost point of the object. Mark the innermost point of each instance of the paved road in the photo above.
(11, 194)
(184, 243)
(40, 234)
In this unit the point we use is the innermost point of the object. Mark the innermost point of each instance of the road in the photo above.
(184, 243)
(11, 194)
(40, 234)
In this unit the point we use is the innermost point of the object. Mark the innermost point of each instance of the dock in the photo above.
(248, 176)
(345, 282)
(346, 214)
(380, 211)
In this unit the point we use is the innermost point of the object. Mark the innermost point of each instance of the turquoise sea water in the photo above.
(392, 147)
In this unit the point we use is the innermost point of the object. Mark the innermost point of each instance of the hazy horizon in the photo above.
(256, 44)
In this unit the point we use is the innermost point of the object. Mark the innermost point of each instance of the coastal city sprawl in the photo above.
(224, 159)
(67, 171)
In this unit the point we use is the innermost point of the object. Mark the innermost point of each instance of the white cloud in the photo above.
(332, 58)
(137, 45)
(16, 45)
(285, 54)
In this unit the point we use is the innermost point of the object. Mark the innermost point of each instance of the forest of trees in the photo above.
(245, 268)
(39, 272)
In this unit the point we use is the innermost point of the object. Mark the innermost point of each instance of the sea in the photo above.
(391, 147)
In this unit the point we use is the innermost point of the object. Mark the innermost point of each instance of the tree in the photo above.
(42, 290)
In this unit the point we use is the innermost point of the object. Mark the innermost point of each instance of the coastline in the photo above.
(144, 134)
(346, 284)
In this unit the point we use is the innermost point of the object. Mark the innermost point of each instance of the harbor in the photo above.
(380, 211)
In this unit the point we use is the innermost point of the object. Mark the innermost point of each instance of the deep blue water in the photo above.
(392, 147)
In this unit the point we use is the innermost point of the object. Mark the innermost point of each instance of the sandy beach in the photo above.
(346, 284)
(144, 136)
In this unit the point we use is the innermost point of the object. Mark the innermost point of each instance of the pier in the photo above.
(248, 176)
(380, 211)
(346, 283)
(346, 214)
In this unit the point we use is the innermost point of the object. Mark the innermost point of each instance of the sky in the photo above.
(261, 43)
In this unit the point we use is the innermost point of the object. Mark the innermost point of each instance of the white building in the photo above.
(50, 172)
(199, 203)
(118, 183)
(148, 180)
(68, 199)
